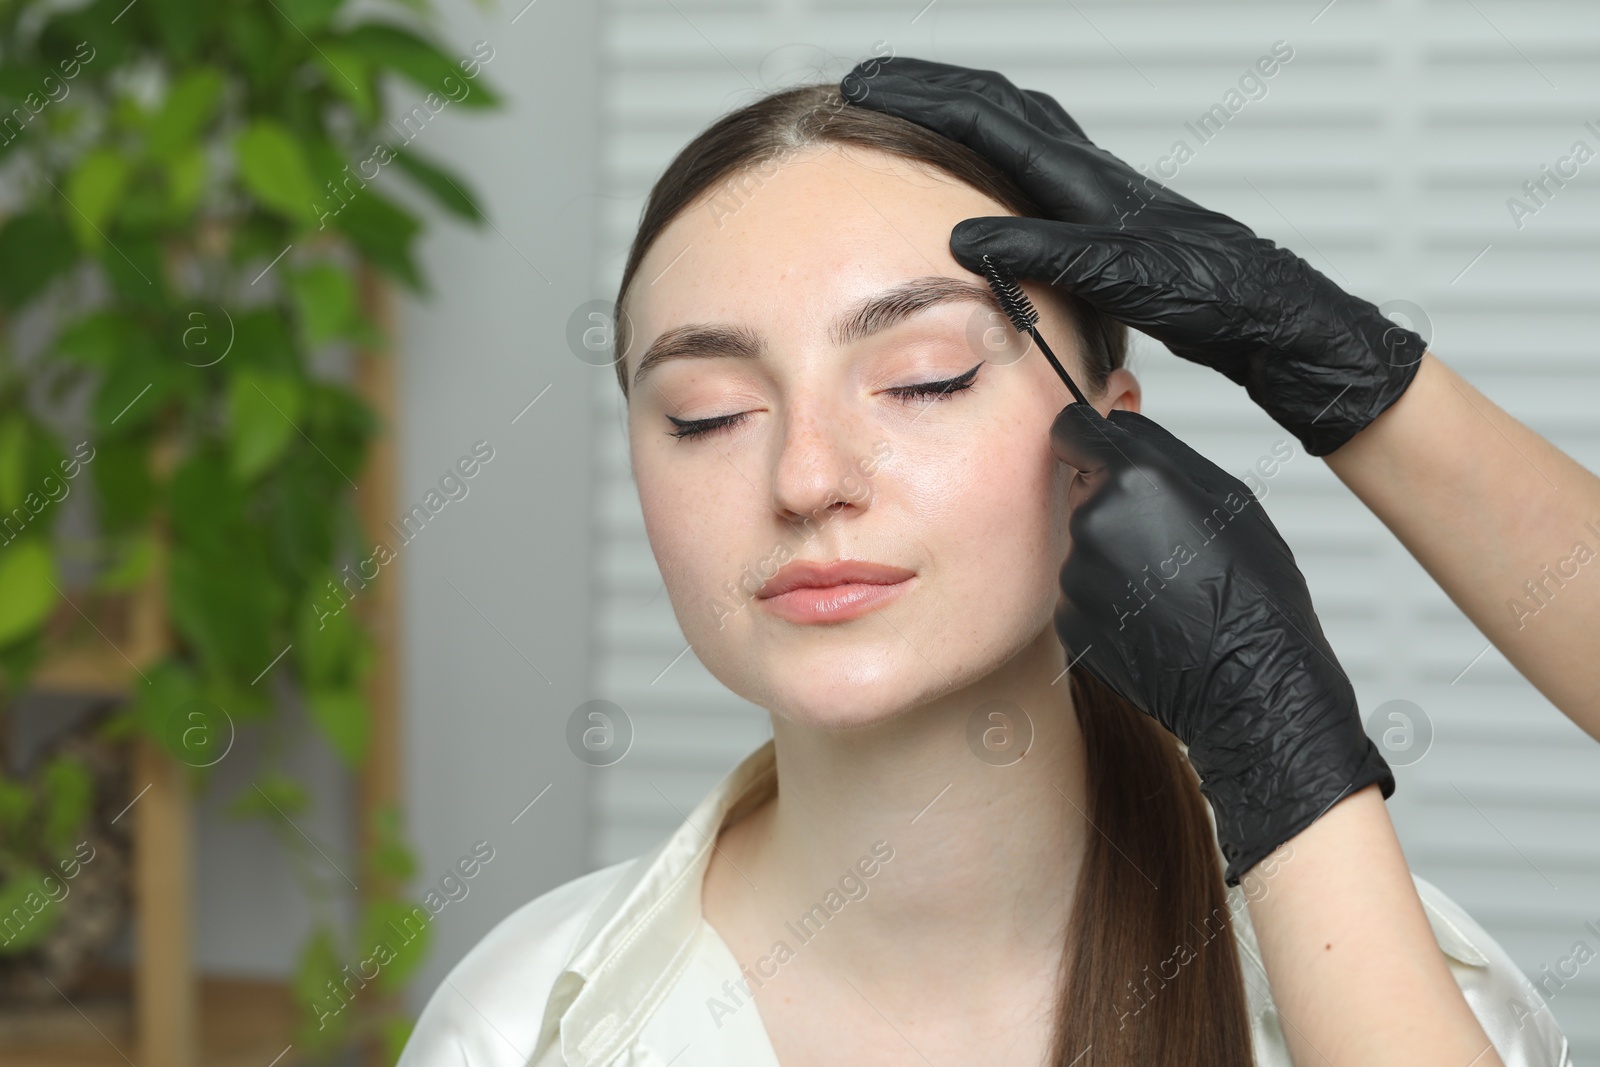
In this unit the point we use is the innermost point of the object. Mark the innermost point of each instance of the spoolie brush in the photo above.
(1020, 310)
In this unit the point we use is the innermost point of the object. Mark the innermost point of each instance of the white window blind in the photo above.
(1384, 150)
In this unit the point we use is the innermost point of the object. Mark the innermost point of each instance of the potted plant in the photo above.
(197, 198)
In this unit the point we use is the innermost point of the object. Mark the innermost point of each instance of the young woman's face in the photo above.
(828, 456)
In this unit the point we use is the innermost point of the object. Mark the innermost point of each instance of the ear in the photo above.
(1122, 391)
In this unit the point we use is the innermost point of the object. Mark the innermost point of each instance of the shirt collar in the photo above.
(640, 937)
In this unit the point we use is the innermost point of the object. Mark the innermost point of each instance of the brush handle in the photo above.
(1056, 363)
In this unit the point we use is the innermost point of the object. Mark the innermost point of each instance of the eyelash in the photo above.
(692, 428)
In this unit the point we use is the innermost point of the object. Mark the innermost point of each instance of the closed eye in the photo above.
(701, 427)
(941, 390)
(937, 390)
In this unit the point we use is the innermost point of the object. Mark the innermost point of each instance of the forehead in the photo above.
(783, 247)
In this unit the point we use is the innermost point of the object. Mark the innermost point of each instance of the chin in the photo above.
(832, 705)
(832, 687)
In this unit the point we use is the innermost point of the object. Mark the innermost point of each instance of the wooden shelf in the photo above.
(102, 657)
(243, 1023)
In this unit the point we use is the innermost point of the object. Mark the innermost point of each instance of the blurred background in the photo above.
(317, 538)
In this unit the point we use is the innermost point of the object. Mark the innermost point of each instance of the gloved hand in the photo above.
(1321, 362)
(1180, 594)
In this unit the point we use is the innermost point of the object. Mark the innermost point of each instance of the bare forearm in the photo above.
(1505, 522)
(1356, 973)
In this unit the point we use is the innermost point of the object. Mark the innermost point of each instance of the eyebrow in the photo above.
(699, 340)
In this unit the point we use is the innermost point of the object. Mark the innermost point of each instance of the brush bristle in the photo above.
(1018, 308)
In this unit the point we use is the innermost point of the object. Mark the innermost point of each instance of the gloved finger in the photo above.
(1140, 279)
(1150, 435)
(1159, 477)
(1151, 451)
(1049, 111)
(1035, 108)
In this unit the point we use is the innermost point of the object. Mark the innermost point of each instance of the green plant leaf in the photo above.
(136, 270)
(384, 233)
(325, 297)
(123, 485)
(186, 177)
(46, 470)
(182, 23)
(190, 103)
(448, 190)
(134, 389)
(68, 794)
(309, 16)
(92, 192)
(396, 1033)
(331, 648)
(325, 1018)
(219, 589)
(389, 46)
(300, 523)
(258, 49)
(86, 36)
(341, 716)
(273, 795)
(223, 608)
(14, 435)
(131, 563)
(27, 595)
(262, 342)
(95, 339)
(127, 112)
(16, 809)
(390, 857)
(272, 165)
(394, 936)
(144, 205)
(34, 248)
(19, 77)
(172, 685)
(206, 507)
(341, 423)
(262, 411)
(21, 658)
(350, 75)
(25, 891)
(244, 701)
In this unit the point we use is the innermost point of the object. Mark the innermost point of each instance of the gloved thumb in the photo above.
(1084, 439)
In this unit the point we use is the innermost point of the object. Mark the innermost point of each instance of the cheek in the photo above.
(993, 509)
(672, 528)
(697, 528)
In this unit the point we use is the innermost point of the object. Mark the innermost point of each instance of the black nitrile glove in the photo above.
(1321, 362)
(1179, 593)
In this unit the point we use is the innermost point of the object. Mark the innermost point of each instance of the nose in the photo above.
(818, 467)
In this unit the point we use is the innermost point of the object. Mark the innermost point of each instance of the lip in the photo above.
(807, 592)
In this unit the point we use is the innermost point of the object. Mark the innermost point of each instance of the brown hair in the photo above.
(1139, 984)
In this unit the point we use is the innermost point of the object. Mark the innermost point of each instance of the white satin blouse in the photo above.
(619, 968)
